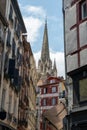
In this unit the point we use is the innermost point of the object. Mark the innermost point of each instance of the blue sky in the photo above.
(34, 13)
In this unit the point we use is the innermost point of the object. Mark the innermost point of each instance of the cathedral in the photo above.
(45, 66)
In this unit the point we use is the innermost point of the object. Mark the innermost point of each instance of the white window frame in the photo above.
(44, 102)
(53, 101)
(53, 89)
(44, 90)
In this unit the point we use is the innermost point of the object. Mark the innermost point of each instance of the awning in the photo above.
(55, 115)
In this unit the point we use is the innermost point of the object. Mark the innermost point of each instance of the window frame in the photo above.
(44, 90)
(54, 91)
(53, 101)
(81, 10)
(44, 102)
(76, 76)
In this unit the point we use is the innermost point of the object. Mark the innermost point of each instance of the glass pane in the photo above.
(83, 89)
(84, 10)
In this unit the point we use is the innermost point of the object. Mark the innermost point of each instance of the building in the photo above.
(52, 92)
(11, 28)
(75, 41)
(51, 89)
(27, 95)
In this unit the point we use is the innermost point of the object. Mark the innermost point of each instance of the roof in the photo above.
(19, 15)
(55, 115)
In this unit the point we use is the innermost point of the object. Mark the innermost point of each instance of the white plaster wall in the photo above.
(71, 41)
(70, 18)
(83, 57)
(67, 21)
(72, 62)
(66, 3)
(83, 34)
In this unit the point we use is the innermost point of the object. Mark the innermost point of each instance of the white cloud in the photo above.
(59, 57)
(33, 18)
(32, 25)
(36, 10)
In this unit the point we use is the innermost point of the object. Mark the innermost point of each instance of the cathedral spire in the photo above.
(55, 68)
(45, 47)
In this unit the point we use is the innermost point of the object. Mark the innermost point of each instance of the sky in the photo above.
(34, 13)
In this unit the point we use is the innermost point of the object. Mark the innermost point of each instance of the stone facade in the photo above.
(27, 96)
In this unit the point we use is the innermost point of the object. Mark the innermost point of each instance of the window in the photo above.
(13, 49)
(11, 13)
(52, 81)
(80, 86)
(83, 10)
(45, 90)
(44, 102)
(53, 89)
(83, 89)
(53, 101)
(8, 38)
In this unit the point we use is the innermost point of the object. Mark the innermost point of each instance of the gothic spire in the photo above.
(45, 46)
(54, 67)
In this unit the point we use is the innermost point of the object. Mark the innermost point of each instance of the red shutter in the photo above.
(41, 102)
(50, 89)
(50, 101)
(41, 90)
(57, 88)
(56, 100)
